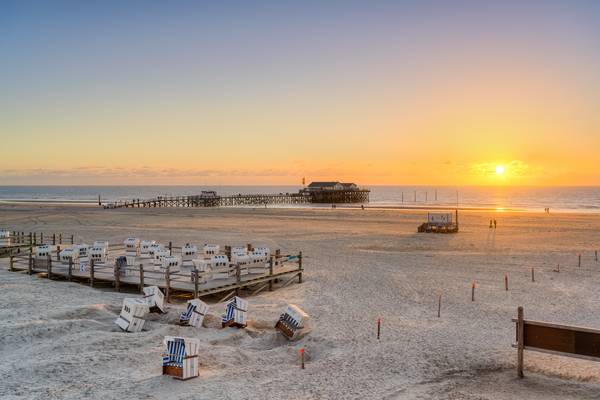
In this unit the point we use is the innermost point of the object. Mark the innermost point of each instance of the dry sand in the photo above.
(57, 339)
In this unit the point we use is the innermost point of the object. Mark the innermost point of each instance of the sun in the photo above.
(499, 169)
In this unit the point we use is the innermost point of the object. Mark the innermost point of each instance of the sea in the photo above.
(517, 198)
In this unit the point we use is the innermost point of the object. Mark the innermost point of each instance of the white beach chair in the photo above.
(132, 315)
(188, 254)
(211, 249)
(181, 359)
(145, 248)
(235, 314)
(132, 247)
(155, 299)
(194, 313)
(292, 321)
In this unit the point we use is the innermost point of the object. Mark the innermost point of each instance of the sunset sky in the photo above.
(423, 92)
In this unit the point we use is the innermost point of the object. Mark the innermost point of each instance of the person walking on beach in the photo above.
(494, 224)
(490, 224)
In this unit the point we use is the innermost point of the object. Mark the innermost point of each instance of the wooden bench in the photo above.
(545, 337)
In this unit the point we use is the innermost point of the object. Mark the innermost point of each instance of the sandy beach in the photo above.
(58, 339)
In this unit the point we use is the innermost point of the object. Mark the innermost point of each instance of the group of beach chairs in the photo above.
(181, 357)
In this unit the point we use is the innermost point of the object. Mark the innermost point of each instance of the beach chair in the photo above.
(132, 315)
(235, 314)
(194, 313)
(221, 267)
(181, 359)
(292, 321)
(99, 254)
(159, 254)
(67, 255)
(211, 249)
(132, 247)
(188, 253)
(155, 299)
(145, 248)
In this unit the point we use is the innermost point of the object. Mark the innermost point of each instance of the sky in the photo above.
(237, 92)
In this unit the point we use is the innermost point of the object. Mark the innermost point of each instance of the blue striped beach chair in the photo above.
(235, 314)
(292, 321)
(181, 359)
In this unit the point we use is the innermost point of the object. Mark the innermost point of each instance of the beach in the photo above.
(58, 339)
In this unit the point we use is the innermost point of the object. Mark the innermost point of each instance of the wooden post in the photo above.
(41, 237)
(54, 239)
(271, 273)
(70, 270)
(506, 282)
(49, 267)
(72, 239)
(117, 274)
(238, 278)
(378, 328)
(520, 344)
(596, 255)
(170, 248)
(141, 278)
(473, 291)
(439, 305)
(92, 273)
(196, 277)
(579, 262)
(30, 266)
(302, 358)
(60, 238)
(30, 238)
(532, 274)
(35, 238)
(168, 284)
(57, 253)
(12, 263)
(300, 267)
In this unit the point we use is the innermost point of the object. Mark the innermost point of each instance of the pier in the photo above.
(322, 196)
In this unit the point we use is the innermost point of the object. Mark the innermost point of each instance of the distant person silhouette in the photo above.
(491, 224)
(494, 224)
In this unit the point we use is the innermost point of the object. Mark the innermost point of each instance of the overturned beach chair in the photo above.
(235, 315)
(154, 298)
(292, 321)
(181, 359)
(194, 313)
(132, 315)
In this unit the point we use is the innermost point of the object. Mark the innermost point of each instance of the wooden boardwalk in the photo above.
(281, 270)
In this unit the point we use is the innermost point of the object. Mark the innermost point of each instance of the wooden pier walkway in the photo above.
(323, 197)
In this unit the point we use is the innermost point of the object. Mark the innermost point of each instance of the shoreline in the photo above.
(424, 208)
